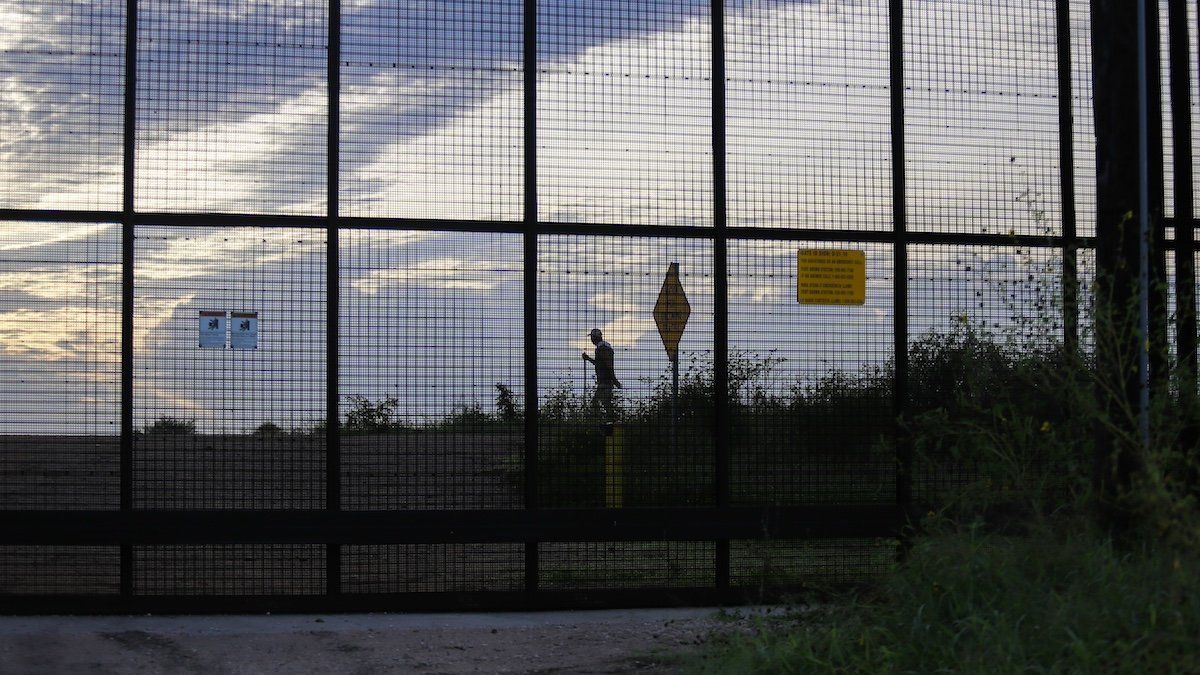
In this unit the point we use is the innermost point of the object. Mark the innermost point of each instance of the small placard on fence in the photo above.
(211, 329)
(244, 333)
(831, 277)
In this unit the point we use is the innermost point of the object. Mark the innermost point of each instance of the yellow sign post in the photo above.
(831, 277)
(671, 313)
(614, 467)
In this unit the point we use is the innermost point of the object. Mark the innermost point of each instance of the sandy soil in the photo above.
(614, 641)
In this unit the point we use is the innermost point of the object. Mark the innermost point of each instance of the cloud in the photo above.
(467, 167)
(624, 136)
(16, 21)
(630, 323)
(19, 236)
(625, 131)
(809, 116)
(809, 133)
(54, 334)
(174, 254)
(267, 162)
(59, 301)
(447, 273)
(60, 105)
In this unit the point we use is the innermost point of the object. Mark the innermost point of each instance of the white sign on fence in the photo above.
(212, 330)
(244, 333)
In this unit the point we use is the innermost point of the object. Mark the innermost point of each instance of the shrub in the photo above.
(367, 416)
(506, 405)
(1011, 572)
(268, 429)
(468, 417)
(172, 426)
(992, 424)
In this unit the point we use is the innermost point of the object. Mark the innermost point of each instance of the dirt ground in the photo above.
(429, 470)
(610, 641)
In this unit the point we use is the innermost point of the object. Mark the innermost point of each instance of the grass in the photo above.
(1065, 601)
(1010, 572)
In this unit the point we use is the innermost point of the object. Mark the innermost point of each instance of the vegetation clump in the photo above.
(171, 426)
(1010, 570)
(382, 416)
(1062, 599)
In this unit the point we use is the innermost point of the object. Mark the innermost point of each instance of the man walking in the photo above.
(606, 376)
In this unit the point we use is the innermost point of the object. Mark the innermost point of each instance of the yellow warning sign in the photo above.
(831, 277)
(671, 312)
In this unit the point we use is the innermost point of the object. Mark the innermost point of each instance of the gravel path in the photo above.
(611, 641)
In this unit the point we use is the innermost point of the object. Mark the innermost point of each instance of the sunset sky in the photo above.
(231, 119)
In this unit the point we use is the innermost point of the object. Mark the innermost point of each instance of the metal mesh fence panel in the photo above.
(809, 115)
(981, 117)
(1087, 300)
(229, 569)
(634, 564)
(423, 568)
(1194, 80)
(233, 422)
(1196, 293)
(605, 445)
(186, 359)
(61, 67)
(810, 386)
(231, 106)
(1165, 121)
(767, 564)
(58, 570)
(1083, 117)
(1172, 307)
(624, 101)
(432, 110)
(432, 370)
(1009, 294)
(59, 366)
(981, 319)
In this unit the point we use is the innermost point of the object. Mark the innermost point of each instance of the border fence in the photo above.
(403, 220)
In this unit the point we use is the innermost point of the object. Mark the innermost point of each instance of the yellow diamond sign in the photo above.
(671, 312)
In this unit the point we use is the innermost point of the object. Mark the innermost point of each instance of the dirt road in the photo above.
(611, 641)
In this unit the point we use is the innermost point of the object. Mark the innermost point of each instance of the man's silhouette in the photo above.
(606, 376)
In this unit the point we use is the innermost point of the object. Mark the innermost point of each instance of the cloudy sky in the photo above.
(231, 119)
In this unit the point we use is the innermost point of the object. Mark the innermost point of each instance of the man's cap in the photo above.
(595, 332)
